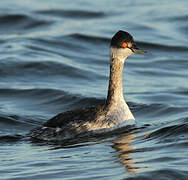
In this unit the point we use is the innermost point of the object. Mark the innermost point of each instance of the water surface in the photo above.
(55, 57)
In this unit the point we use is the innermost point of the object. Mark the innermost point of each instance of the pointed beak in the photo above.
(136, 50)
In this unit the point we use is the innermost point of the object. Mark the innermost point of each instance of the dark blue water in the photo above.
(54, 57)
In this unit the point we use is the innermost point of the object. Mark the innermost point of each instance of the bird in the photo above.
(113, 114)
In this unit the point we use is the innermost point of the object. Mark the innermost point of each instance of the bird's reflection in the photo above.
(123, 146)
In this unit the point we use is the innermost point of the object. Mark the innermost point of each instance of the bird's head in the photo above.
(122, 45)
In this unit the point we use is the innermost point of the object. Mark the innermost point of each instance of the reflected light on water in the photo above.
(124, 147)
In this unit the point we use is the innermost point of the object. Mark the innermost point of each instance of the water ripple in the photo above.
(73, 14)
(20, 22)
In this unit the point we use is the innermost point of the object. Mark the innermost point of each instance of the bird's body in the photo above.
(114, 113)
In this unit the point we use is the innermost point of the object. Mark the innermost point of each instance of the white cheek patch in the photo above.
(128, 52)
(120, 53)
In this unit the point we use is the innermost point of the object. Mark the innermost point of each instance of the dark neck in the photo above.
(115, 88)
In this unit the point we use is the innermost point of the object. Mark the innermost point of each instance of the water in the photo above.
(54, 57)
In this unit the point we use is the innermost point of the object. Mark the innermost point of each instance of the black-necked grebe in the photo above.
(113, 114)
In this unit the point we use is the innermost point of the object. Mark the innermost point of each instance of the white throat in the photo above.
(120, 53)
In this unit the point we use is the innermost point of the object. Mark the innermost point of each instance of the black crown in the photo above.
(120, 37)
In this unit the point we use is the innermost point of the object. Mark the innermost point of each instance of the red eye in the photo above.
(124, 44)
